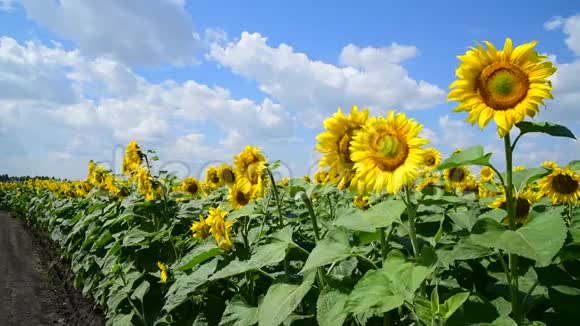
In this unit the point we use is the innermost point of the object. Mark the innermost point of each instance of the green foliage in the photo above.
(279, 273)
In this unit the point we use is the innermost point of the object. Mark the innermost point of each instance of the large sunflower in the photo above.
(502, 85)
(250, 168)
(387, 153)
(335, 142)
(562, 186)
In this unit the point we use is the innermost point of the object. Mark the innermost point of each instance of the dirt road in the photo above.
(28, 294)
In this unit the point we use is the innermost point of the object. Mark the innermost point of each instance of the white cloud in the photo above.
(135, 32)
(456, 133)
(107, 105)
(554, 23)
(371, 57)
(368, 77)
(7, 5)
(564, 108)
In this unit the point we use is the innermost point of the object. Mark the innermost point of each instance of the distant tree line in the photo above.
(7, 178)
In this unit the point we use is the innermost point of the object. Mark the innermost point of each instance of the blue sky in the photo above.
(197, 81)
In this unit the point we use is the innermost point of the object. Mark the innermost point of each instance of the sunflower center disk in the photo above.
(502, 85)
(457, 175)
(564, 184)
(241, 198)
(430, 161)
(392, 152)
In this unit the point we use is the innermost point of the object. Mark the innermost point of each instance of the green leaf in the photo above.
(134, 237)
(465, 250)
(385, 213)
(265, 255)
(520, 179)
(141, 291)
(281, 300)
(198, 255)
(330, 307)
(123, 320)
(239, 313)
(501, 321)
(333, 248)
(435, 300)
(575, 225)
(186, 285)
(551, 129)
(352, 219)
(453, 303)
(574, 165)
(471, 156)
(406, 276)
(373, 292)
(242, 212)
(540, 239)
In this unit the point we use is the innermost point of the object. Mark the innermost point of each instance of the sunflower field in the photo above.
(387, 232)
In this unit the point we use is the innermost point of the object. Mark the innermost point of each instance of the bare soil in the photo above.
(36, 284)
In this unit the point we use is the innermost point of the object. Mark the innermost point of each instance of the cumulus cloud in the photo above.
(7, 5)
(135, 32)
(564, 107)
(369, 77)
(106, 105)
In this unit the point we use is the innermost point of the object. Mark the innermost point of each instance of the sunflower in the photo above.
(387, 153)
(504, 85)
(562, 186)
(550, 165)
(219, 227)
(133, 158)
(250, 167)
(321, 177)
(306, 178)
(200, 229)
(457, 151)
(429, 181)
(486, 174)
(284, 182)
(238, 198)
(519, 168)
(191, 186)
(212, 177)
(489, 190)
(361, 201)
(227, 174)
(163, 271)
(146, 184)
(470, 184)
(457, 177)
(524, 202)
(432, 158)
(335, 142)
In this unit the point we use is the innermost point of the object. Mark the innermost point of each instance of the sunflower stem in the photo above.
(387, 314)
(319, 270)
(513, 259)
(383, 246)
(411, 214)
(312, 217)
(280, 219)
